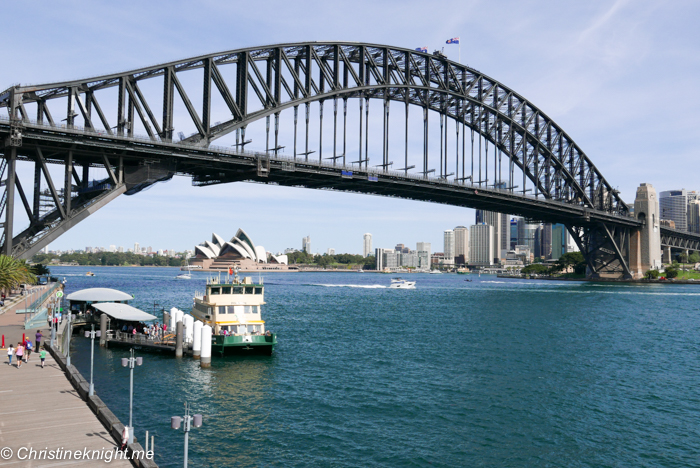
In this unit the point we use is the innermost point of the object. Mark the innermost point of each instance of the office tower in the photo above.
(694, 216)
(367, 245)
(408, 259)
(386, 258)
(526, 233)
(330, 251)
(545, 241)
(112, 248)
(481, 251)
(513, 233)
(461, 245)
(137, 249)
(449, 246)
(501, 230)
(674, 206)
(120, 249)
(306, 244)
(559, 241)
(423, 251)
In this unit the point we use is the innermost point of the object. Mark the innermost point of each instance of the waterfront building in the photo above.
(367, 245)
(238, 253)
(120, 249)
(387, 259)
(449, 246)
(462, 244)
(423, 252)
(674, 206)
(694, 216)
(481, 244)
(408, 259)
(306, 244)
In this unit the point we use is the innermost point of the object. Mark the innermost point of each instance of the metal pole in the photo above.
(131, 397)
(187, 434)
(92, 359)
(70, 330)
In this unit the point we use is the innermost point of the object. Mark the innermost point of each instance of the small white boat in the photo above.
(360, 270)
(399, 283)
(435, 272)
(187, 275)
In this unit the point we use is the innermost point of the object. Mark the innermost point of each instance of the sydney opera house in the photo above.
(240, 252)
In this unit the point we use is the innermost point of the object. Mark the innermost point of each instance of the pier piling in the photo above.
(178, 339)
(103, 330)
(205, 360)
(197, 339)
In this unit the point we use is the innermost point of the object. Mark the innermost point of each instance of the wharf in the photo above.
(40, 409)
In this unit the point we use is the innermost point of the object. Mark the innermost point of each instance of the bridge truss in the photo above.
(475, 137)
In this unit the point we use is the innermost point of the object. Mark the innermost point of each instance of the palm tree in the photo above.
(14, 272)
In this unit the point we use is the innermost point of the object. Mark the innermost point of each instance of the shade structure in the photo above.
(123, 312)
(99, 295)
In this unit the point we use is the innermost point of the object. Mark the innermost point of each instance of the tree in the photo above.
(671, 272)
(14, 272)
(652, 274)
(683, 257)
(694, 257)
(39, 269)
(535, 268)
(571, 259)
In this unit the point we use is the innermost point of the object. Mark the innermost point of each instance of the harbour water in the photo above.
(492, 372)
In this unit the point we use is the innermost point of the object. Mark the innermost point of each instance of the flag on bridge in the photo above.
(422, 49)
(454, 40)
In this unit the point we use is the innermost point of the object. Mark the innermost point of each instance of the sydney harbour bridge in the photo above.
(438, 131)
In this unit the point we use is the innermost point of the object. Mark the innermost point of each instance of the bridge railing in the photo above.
(370, 171)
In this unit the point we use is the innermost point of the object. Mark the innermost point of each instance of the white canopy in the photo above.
(123, 312)
(99, 295)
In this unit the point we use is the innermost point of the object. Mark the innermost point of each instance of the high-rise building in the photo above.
(330, 251)
(112, 248)
(461, 244)
(386, 259)
(481, 251)
(137, 248)
(423, 251)
(501, 231)
(694, 216)
(559, 241)
(674, 206)
(120, 249)
(306, 244)
(526, 233)
(449, 246)
(367, 245)
(513, 233)
(545, 241)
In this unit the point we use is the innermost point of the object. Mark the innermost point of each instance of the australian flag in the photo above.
(422, 49)
(454, 40)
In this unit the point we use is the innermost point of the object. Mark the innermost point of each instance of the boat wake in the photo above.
(363, 286)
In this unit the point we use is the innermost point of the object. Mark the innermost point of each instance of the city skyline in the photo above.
(576, 79)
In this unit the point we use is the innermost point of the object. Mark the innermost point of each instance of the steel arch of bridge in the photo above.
(565, 184)
(300, 73)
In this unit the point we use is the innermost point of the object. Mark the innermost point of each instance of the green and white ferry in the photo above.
(232, 308)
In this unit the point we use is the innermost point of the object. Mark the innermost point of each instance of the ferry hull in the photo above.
(243, 345)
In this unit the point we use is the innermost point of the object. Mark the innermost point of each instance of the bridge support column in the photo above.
(667, 255)
(645, 244)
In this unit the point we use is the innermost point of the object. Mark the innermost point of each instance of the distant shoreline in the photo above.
(604, 280)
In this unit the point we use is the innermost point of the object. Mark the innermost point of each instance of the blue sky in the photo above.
(620, 77)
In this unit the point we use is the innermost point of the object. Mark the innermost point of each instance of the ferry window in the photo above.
(258, 290)
(229, 309)
(250, 309)
(226, 290)
(215, 291)
(249, 290)
(238, 290)
(222, 310)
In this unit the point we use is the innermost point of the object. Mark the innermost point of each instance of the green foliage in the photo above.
(538, 260)
(325, 260)
(671, 272)
(535, 269)
(683, 257)
(14, 272)
(111, 259)
(652, 274)
(39, 269)
(694, 257)
(570, 259)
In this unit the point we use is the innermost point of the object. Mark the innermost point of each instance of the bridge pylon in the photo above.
(645, 253)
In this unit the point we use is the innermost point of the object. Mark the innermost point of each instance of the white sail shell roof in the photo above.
(99, 295)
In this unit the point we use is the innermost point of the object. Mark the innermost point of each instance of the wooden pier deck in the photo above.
(39, 408)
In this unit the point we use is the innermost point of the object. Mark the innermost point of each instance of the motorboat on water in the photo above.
(232, 308)
(400, 283)
(435, 272)
(89, 273)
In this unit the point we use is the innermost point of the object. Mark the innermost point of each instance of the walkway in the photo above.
(39, 408)
(12, 323)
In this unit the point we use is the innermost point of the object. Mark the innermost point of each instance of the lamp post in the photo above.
(194, 420)
(131, 362)
(69, 326)
(92, 334)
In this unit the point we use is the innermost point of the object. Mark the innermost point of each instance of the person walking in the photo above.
(42, 356)
(38, 337)
(10, 353)
(19, 353)
(27, 350)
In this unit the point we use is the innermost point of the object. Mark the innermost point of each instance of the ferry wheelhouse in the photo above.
(232, 308)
